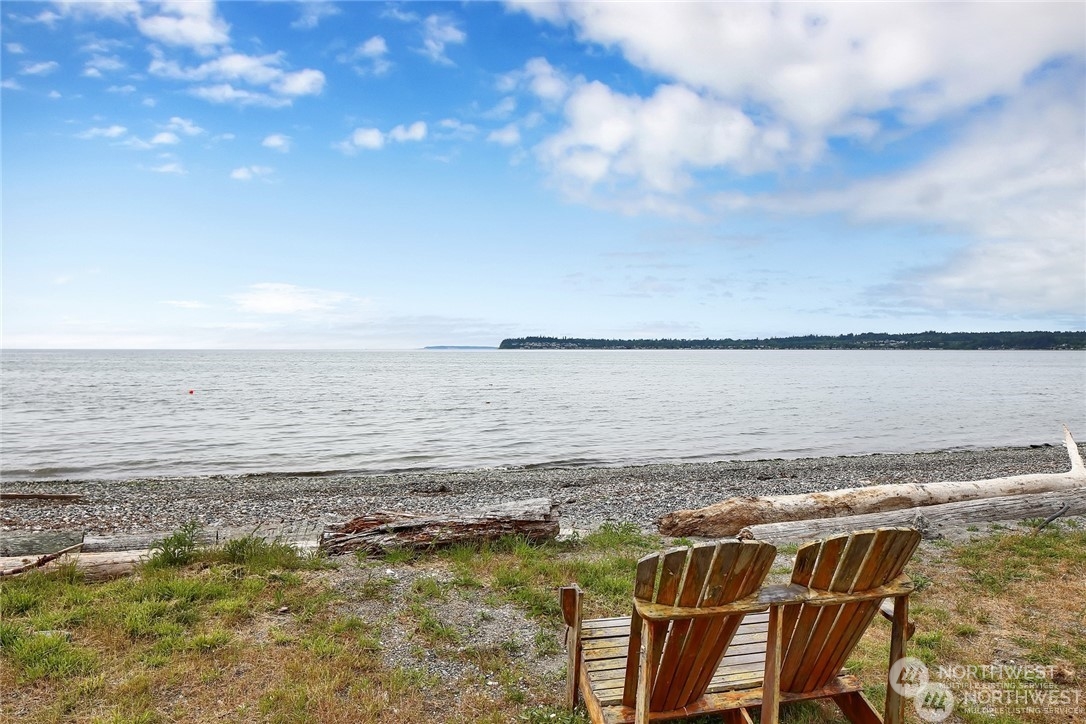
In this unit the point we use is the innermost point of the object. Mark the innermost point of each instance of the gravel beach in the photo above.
(588, 496)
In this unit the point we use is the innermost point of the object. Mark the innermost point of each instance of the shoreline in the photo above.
(587, 496)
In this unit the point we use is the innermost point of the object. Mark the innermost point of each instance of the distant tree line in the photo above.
(867, 340)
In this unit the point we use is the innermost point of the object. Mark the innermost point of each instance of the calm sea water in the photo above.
(119, 414)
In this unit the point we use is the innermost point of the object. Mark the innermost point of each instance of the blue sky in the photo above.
(381, 175)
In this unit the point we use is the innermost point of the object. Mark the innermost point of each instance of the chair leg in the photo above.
(899, 636)
(771, 678)
(857, 709)
(737, 716)
(571, 608)
(647, 674)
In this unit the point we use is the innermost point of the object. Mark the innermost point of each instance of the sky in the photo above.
(393, 175)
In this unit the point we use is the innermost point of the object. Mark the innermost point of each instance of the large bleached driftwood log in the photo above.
(728, 517)
(535, 519)
(933, 521)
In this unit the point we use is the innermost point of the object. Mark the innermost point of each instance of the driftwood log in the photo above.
(931, 520)
(730, 516)
(535, 519)
(93, 566)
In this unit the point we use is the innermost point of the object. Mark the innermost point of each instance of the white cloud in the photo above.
(15, 48)
(277, 142)
(372, 53)
(655, 142)
(42, 68)
(415, 132)
(370, 139)
(184, 125)
(114, 131)
(226, 93)
(276, 298)
(122, 89)
(312, 12)
(301, 83)
(54, 94)
(255, 70)
(375, 47)
(99, 64)
(1013, 185)
(165, 138)
(818, 65)
(437, 33)
(149, 102)
(10, 84)
(503, 108)
(539, 77)
(170, 167)
(507, 136)
(455, 128)
(248, 173)
(188, 23)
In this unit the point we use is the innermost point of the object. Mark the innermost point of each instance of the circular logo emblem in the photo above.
(908, 676)
(934, 702)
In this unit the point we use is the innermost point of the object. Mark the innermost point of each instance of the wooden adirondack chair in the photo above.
(710, 639)
(662, 661)
(847, 578)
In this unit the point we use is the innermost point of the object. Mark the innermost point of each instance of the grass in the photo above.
(254, 631)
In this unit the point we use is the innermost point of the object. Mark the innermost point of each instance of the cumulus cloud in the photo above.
(437, 34)
(539, 77)
(166, 138)
(817, 65)
(415, 132)
(313, 12)
(10, 84)
(277, 142)
(99, 64)
(184, 125)
(248, 173)
(373, 139)
(114, 131)
(15, 48)
(454, 128)
(368, 57)
(507, 136)
(42, 68)
(254, 70)
(170, 167)
(1013, 185)
(657, 141)
(278, 298)
(189, 23)
(122, 89)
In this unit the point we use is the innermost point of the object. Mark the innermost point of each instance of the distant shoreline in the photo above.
(997, 341)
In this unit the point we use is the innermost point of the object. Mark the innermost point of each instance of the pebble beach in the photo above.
(587, 496)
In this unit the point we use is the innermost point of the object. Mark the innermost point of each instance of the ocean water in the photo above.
(124, 414)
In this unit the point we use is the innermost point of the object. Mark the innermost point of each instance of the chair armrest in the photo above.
(756, 602)
(886, 608)
(570, 599)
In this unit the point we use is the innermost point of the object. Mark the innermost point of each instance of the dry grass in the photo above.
(469, 634)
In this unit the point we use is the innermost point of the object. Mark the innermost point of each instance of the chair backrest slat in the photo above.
(817, 640)
(688, 652)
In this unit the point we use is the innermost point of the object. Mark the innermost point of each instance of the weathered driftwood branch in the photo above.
(535, 519)
(39, 562)
(730, 516)
(930, 520)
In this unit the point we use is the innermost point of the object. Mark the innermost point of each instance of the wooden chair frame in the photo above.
(769, 606)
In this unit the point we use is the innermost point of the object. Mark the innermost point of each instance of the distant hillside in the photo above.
(867, 340)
